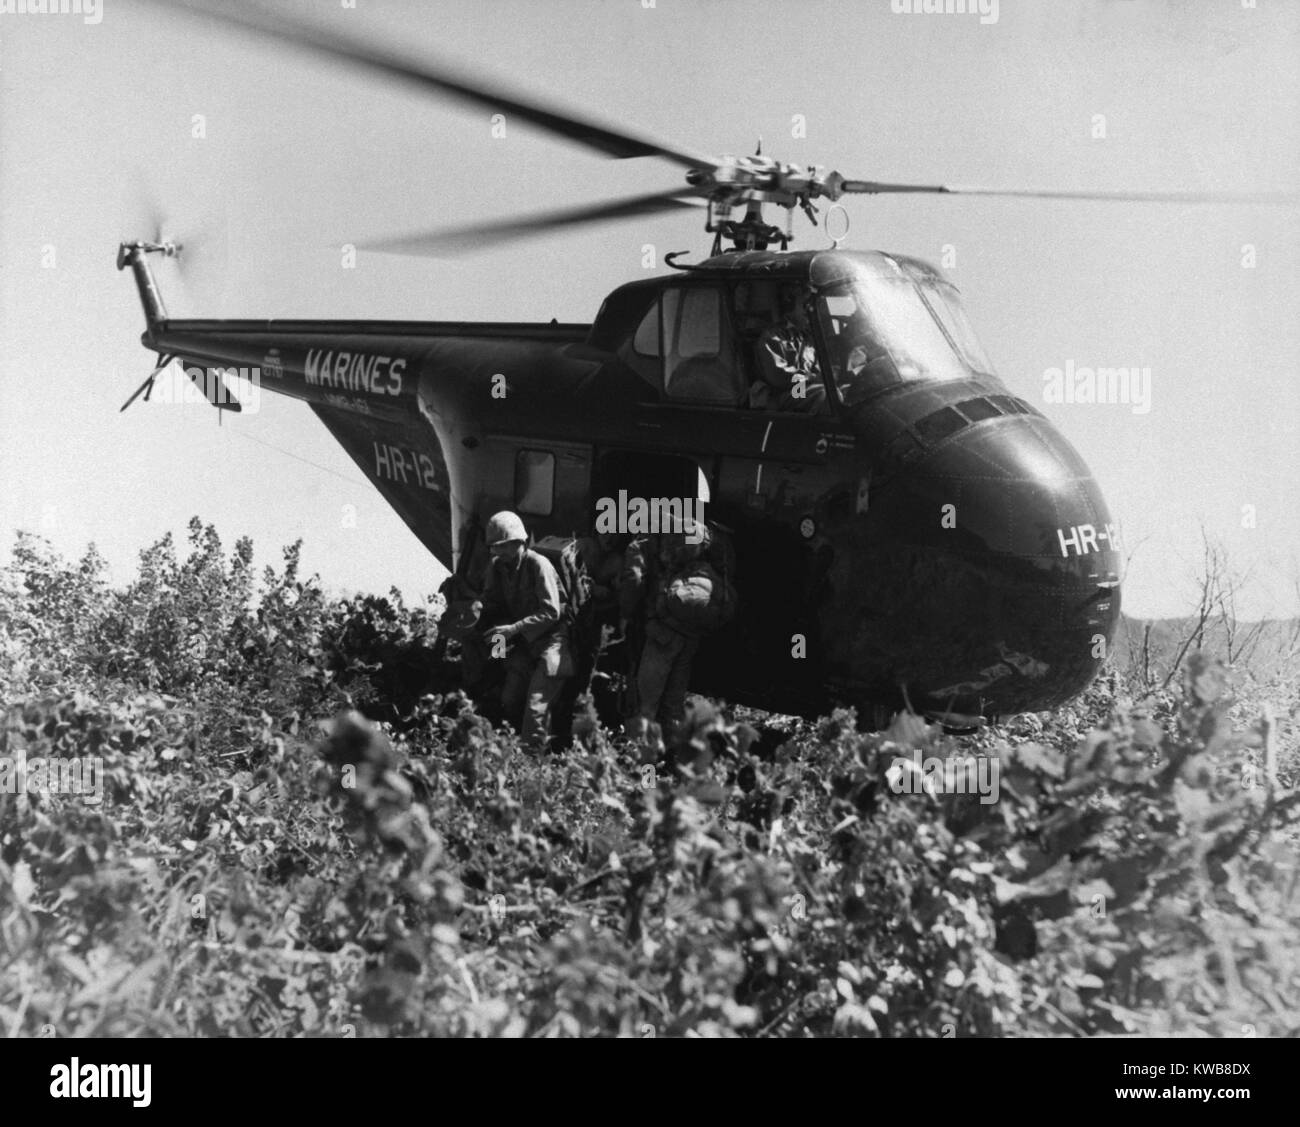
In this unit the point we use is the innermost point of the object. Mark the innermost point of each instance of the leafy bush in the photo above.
(256, 869)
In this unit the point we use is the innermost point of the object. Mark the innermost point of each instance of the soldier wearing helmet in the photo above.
(521, 621)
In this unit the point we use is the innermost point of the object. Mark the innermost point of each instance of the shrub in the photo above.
(255, 868)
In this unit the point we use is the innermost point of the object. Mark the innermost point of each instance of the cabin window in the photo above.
(697, 318)
(699, 365)
(534, 482)
(646, 341)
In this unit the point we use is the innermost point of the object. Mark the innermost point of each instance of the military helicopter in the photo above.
(916, 534)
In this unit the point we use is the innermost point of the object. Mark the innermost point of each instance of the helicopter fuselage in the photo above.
(921, 535)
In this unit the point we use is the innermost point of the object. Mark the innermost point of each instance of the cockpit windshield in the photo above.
(885, 329)
(945, 303)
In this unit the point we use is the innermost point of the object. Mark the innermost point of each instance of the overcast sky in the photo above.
(298, 159)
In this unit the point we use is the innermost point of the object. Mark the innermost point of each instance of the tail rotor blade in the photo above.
(140, 215)
(203, 256)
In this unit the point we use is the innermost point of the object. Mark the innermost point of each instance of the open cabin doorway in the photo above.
(650, 476)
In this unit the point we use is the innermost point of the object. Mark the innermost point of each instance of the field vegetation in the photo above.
(297, 838)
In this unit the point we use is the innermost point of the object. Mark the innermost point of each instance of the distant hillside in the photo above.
(1270, 647)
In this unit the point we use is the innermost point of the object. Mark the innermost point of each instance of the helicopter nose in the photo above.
(1021, 494)
(1012, 591)
(1030, 518)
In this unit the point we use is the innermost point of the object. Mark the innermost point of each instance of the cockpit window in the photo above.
(944, 302)
(880, 332)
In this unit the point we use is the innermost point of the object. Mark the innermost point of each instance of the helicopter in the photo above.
(914, 535)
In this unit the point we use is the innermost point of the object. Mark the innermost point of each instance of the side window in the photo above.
(699, 325)
(646, 340)
(534, 482)
(698, 363)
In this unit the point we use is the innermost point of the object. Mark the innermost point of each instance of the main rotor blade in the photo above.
(428, 76)
(872, 187)
(454, 240)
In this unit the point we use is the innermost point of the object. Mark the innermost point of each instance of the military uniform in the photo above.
(538, 661)
(604, 565)
(664, 674)
(601, 562)
(670, 639)
(786, 357)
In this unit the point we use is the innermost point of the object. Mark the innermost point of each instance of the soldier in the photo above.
(592, 629)
(789, 375)
(521, 610)
(603, 557)
(682, 598)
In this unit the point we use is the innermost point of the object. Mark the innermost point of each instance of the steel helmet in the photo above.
(505, 526)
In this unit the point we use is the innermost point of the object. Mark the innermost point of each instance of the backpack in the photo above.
(701, 597)
(692, 600)
(576, 608)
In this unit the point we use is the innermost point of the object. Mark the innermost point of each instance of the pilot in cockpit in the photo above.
(789, 376)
